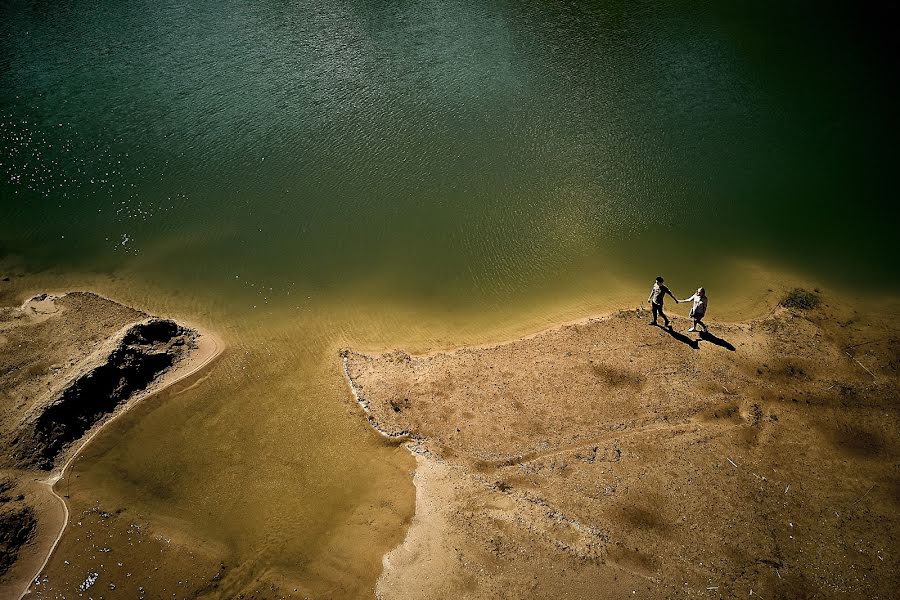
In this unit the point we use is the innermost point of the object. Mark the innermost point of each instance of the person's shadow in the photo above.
(708, 337)
(682, 338)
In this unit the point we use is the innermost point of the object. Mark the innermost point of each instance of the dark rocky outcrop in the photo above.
(17, 525)
(132, 362)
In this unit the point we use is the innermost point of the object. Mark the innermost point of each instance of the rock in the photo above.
(17, 525)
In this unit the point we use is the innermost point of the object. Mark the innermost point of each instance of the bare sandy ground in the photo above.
(610, 458)
(56, 352)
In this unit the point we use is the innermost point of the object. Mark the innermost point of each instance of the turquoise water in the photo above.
(305, 177)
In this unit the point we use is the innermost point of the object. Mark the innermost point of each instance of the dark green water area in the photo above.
(467, 153)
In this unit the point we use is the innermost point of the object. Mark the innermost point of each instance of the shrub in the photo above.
(801, 299)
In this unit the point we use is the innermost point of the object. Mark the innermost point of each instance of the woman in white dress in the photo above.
(698, 310)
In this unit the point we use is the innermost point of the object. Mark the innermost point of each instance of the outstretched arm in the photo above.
(669, 292)
(687, 299)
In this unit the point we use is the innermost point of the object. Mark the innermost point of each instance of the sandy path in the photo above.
(209, 348)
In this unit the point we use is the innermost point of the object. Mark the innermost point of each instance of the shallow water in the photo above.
(302, 178)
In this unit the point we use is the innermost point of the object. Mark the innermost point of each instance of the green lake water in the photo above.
(305, 176)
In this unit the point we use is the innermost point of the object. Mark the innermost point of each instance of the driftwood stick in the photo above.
(863, 496)
(862, 365)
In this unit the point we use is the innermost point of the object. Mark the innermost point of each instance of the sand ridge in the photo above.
(609, 456)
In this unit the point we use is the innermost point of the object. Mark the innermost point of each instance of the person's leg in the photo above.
(663, 315)
(694, 326)
(653, 310)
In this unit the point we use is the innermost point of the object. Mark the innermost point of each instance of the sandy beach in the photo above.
(611, 457)
(85, 360)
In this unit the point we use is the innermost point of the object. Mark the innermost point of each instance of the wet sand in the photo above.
(223, 485)
(610, 457)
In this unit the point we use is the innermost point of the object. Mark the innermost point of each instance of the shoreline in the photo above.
(430, 467)
(191, 369)
(482, 466)
(402, 437)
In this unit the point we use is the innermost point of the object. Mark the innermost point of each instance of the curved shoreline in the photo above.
(202, 358)
(540, 459)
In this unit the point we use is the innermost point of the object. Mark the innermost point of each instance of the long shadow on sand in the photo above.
(712, 339)
(682, 338)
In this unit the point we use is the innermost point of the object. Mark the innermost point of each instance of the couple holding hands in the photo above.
(698, 310)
